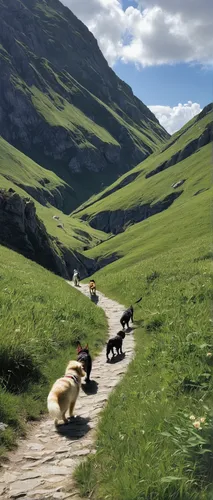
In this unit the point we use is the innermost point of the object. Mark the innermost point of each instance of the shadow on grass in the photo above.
(91, 387)
(117, 359)
(76, 428)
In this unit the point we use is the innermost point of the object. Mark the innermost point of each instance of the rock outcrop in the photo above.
(117, 221)
(124, 182)
(61, 104)
(22, 231)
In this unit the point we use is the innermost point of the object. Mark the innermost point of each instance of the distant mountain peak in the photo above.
(61, 103)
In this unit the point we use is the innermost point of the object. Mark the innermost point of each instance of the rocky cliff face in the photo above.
(22, 231)
(61, 104)
(117, 221)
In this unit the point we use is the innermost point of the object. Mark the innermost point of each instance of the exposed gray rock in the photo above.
(124, 182)
(117, 221)
(207, 109)
(23, 231)
(43, 46)
(178, 184)
(3, 426)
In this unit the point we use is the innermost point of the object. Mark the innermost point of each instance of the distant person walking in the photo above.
(76, 277)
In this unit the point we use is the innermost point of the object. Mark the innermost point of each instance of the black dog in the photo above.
(85, 359)
(116, 342)
(126, 316)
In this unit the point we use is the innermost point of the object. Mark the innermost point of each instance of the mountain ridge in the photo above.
(62, 105)
(153, 185)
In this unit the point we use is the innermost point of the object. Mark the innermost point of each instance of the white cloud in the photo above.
(157, 31)
(174, 118)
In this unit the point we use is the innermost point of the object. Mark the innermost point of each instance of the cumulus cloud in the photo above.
(174, 118)
(150, 32)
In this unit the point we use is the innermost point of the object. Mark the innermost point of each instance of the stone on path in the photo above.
(41, 468)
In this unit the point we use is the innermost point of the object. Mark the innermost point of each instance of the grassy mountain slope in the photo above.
(42, 184)
(161, 443)
(153, 449)
(148, 188)
(41, 318)
(47, 190)
(61, 103)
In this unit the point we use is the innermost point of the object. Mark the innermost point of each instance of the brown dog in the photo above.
(64, 392)
(92, 287)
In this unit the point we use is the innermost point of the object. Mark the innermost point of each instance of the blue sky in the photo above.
(176, 82)
(168, 84)
(162, 48)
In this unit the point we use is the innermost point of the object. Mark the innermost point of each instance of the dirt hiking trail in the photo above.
(42, 465)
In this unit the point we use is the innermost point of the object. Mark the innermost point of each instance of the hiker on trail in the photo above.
(76, 277)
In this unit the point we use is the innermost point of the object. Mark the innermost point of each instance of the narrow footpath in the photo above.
(42, 466)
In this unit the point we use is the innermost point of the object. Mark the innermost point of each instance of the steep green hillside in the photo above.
(41, 318)
(42, 184)
(61, 103)
(27, 178)
(160, 445)
(152, 186)
(153, 450)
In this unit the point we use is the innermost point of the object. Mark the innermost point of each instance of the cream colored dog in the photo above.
(64, 392)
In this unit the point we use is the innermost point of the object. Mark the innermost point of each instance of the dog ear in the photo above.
(79, 347)
(86, 347)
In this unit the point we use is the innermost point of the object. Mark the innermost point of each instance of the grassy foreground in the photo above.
(148, 447)
(41, 318)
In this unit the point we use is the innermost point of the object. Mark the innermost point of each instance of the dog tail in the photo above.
(139, 300)
(53, 406)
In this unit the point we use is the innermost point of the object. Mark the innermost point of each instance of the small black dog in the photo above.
(85, 359)
(116, 342)
(126, 316)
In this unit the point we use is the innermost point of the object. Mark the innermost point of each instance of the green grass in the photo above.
(49, 12)
(147, 446)
(70, 107)
(144, 190)
(76, 235)
(41, 318)
(154, 189)
(160, 233)
(19, 172)
(59, 112)
(142, 135)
